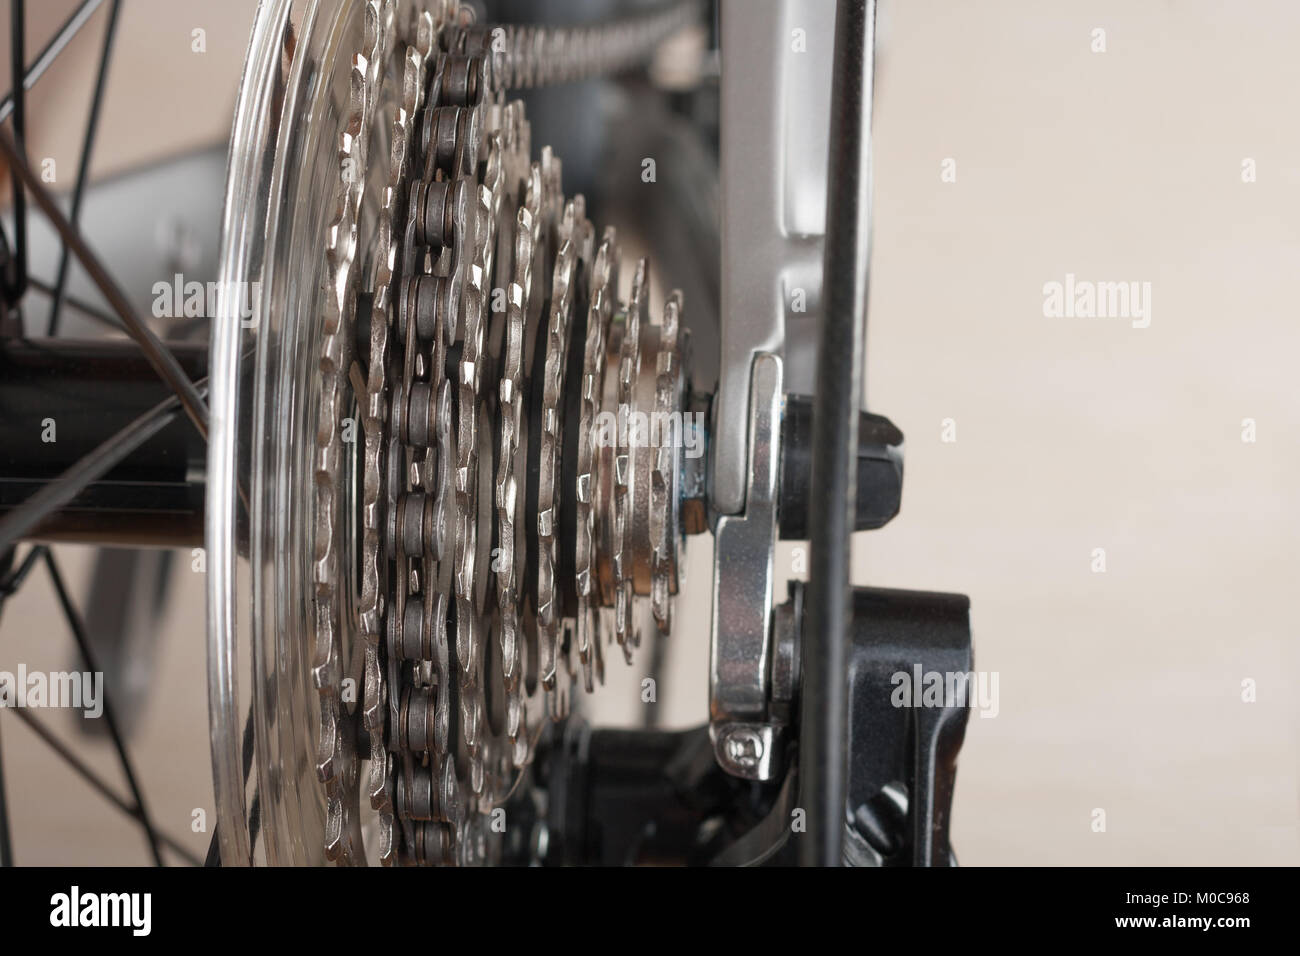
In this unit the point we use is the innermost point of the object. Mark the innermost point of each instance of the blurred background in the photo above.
(1010, 152)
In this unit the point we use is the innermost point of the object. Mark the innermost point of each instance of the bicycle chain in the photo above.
(462, 207)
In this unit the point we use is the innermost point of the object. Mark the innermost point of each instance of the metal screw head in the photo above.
(743, 747)
(747, 750)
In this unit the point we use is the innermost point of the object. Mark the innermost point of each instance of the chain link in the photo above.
(448, 461)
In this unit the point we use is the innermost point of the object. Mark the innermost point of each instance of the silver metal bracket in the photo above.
(740, 667)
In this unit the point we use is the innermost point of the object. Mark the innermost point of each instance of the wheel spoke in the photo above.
(189, 396)
(159, 356)
(83, 165)
(6, 843)
(13, 580)
(7, 587)
(97, 782)
(85, 308)
(79, 634)
(70, 28)
(255, 810)
(17, 59)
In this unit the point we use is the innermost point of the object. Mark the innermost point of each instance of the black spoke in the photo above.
(10, 580)
(70, 28)
(7, 588)
(188, 396)
(6, 842)
(254, 813)
(97, 463)
(83, 166)
(13, 580)
(83, 643)
(98, 783)
(159, 356)
(254, 809)
(213, 857)
(82, 306)
(17, 58)
(6, 572)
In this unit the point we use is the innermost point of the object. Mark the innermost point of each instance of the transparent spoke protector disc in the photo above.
(282, 180)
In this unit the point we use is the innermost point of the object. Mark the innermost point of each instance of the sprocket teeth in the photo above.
(603, 291)
(502, 206)
(338, 764)
(575, 237)
(534, 232)
(625, 491)
(663, 564)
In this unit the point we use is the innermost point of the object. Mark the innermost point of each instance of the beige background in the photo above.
(1119, 691)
